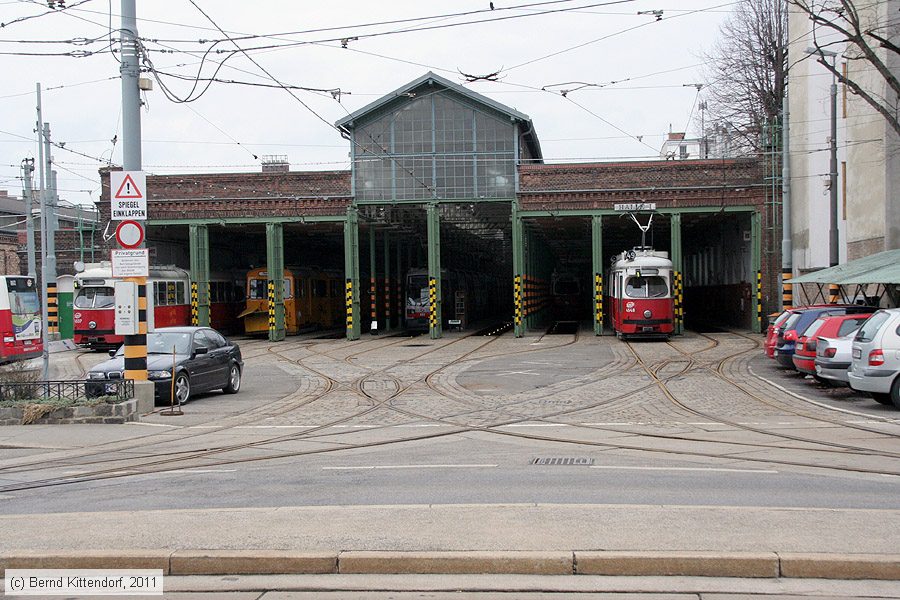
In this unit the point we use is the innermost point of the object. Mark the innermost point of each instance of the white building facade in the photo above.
(868, 149)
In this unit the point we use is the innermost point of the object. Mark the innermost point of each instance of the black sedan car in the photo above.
(204, 360)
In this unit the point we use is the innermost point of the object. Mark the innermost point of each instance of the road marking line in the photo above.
(277, 426)
(189, 471)
(374, 467)
(535, 425)
(6, 497)
(715, 469)
(153, 424)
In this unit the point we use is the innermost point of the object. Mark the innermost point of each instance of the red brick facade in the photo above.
(275, 194)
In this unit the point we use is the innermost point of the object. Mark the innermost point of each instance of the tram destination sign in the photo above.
(635, 206)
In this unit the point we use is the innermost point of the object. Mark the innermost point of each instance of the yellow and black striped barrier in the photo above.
(136, 345)
(271, 306)
(598, 297)
(349, 298)
(787, 289)
(387, 302)
(432, 302)
(195, 305)
(759, 312)
(834, 293)
(517, 288)
(52, 309)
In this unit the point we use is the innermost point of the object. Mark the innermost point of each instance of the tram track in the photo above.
(385, 402)
(168, 458)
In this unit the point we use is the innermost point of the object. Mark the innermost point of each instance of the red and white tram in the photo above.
(169, 287)
(640, 296)
(20, 319)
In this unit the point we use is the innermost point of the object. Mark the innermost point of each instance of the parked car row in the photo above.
(841, 344)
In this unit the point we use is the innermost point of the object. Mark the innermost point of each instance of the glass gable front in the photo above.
(435, 147)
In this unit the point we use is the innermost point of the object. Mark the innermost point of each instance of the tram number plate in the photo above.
(857, 353)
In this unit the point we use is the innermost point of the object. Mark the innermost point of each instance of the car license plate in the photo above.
(857, 353)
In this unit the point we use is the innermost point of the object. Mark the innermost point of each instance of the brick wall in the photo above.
(206, 196)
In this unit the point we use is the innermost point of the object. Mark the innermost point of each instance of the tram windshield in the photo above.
(259, 289)
(95, 297)
(653, 286)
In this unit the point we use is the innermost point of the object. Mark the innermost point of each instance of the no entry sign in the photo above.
(129, 234)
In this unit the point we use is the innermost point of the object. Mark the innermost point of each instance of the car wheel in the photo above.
(882, 398)
(234, 380)
(823, 381)
(182, 388)
(895, 393)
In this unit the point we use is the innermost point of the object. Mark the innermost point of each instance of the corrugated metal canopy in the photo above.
(883, 267)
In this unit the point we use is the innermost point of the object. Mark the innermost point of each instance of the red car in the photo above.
(825, 326)
(776, 325)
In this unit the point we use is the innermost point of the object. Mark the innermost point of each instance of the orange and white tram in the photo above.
(640, 298)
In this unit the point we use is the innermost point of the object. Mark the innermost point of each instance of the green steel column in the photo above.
(373, 282)
(388, 305)
(275, 267)
(597, 261)
(434, 269)
(351, 273)
(199, 250)
(518, 247)
(678, 276)
(755, 235)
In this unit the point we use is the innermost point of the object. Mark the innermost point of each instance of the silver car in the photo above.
(833, 358)
(875, 357)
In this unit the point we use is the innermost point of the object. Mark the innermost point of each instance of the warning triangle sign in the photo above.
(129, 189)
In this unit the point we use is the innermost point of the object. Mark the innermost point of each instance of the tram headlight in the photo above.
(647, 314)
(92, 324)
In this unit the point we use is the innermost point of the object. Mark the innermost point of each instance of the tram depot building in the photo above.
(451, 183)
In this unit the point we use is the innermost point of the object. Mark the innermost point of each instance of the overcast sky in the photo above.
(651, 62)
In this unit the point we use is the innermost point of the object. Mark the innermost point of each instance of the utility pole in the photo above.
(787, 249)
(130, 71)
(44, 153)
(27, 170)
(833, 174)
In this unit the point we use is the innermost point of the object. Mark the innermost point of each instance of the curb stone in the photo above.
(609, 563)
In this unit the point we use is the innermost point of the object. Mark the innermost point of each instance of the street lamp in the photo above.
(832, 175)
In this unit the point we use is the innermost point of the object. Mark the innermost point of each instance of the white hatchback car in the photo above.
(875, 358)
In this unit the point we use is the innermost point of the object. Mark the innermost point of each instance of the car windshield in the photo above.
(814, 328)
(792, 320)
(782, 318)
(851, 326)
(164, 342)
(870, 328)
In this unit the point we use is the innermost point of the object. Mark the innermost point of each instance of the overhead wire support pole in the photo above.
(129, 69)
(27, 170)
(45, 334)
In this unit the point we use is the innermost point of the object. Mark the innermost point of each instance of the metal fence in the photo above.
(121, 390)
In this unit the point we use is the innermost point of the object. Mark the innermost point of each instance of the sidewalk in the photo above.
(467, 539)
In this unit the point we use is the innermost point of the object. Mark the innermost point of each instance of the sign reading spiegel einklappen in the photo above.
(128, 195)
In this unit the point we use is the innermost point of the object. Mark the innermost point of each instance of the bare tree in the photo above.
(747, 69)
(855, 31)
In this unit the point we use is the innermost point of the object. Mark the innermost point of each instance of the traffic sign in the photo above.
(134, 262)
(128, 191)
(130, 234)
(635, 206)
